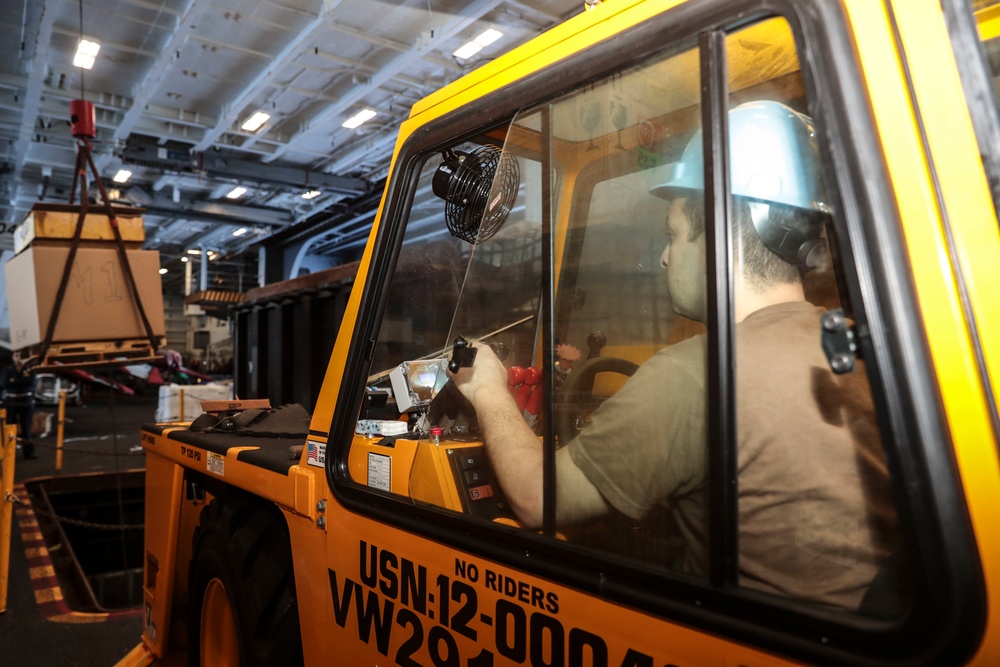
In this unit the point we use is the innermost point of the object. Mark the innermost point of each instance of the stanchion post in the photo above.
(60, 423)
(180, 414)
(8, 452)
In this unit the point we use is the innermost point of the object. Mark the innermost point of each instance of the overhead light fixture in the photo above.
(240, 232)
(360, 117)
(162, 271)
(470, 49)
(236, 192)
(86, 54)
(122, 176)
(212, 255)
(488, 37)
(256, 121)
(194, 251)
(184, 259)
(312, 194)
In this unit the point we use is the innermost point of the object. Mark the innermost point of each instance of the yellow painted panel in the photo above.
(988, 20)
(975, 235)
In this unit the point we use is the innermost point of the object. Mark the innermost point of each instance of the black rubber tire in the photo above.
(245, 545)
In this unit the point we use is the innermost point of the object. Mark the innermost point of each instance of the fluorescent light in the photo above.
(212, 255)
(240, 232)
(162, 271)
(86, 54)
(488, 37)
(194, 251)
(236, 192)
(184, 259)
(256, 121)
(122, 176)
(470, 49)
(467, 50)
(358, 118)
(312, 194)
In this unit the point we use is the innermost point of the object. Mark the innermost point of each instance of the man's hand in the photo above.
(512, 447)
(485, 376)
(515, 451)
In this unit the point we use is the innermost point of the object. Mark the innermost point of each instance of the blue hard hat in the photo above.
(773, 158)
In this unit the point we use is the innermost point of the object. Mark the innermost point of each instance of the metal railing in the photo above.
(8, 452)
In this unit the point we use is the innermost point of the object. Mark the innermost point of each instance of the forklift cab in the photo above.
(546, 238)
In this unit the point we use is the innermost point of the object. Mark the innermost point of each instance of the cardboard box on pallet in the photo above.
(57, 222)
(98, 305)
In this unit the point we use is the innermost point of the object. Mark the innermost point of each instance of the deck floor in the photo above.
(36, 630)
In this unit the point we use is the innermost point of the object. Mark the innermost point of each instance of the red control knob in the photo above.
(515, 376)
(532, 376)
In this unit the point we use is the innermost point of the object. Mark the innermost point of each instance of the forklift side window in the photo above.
(425, 285)
(630, 363)
(454, 276)
(814, 503)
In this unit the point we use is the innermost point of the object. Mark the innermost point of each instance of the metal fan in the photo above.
(479, 189)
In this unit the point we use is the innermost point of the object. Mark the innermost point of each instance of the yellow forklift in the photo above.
(675, 470)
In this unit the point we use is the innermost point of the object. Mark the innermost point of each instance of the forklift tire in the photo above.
(243, 608)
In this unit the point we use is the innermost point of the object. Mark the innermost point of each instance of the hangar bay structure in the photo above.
(175, 82)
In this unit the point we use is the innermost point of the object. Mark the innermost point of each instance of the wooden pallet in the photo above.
(90, 354)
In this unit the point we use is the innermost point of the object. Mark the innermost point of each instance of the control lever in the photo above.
(595, 343)
(463, 355)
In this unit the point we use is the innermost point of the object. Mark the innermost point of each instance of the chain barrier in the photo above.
(17, 502)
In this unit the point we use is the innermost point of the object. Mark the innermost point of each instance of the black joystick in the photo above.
(463, 355)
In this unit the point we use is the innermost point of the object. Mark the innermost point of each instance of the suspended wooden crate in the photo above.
(56, 223)
(99, 315)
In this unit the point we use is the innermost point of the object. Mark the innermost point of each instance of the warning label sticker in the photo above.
(216, 464)
(379, 471)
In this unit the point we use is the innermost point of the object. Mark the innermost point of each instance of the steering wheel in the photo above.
(575, 398)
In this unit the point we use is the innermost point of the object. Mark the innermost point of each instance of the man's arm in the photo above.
(515, 451)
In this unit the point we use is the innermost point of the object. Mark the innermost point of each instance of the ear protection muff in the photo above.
(797, 238)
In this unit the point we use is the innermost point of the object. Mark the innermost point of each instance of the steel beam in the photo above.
(287, 176)
(217, 212)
